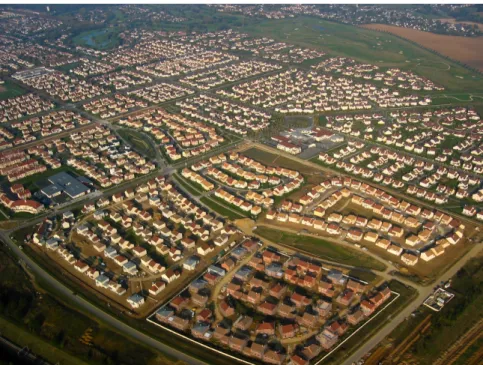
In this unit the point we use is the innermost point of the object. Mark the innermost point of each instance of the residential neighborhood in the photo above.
(292, 184)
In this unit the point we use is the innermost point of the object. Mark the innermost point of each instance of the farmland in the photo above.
(465, 50)
(365, 45)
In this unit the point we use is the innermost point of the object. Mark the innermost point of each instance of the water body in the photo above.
(318, 27)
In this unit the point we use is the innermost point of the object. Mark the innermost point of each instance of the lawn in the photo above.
(69, 66)
(272, 159)
(10, 90)
(138, 141)
(101, 39)
(220, 209)
(190, 188)
(365, 45)
(324, 249)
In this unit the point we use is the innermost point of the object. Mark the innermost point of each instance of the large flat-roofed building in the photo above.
(51, 191)
(65, 183)
(30, 73)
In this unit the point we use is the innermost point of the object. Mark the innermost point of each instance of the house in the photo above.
(226, 310)
(170, 275)
(355, 317)
(157, 287)
(191, 263)
(409, 259)
(135, 301)
(287, 330)
(327, 339)
(265, 328)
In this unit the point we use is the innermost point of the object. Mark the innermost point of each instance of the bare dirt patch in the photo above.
(463, 49)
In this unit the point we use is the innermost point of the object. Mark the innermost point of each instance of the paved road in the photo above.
(396, 193)
(23, 356)
(423, 293)
(98, 313)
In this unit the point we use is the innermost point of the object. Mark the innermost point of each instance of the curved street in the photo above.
(95, 311)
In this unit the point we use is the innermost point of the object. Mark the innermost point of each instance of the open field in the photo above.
(98, 38)
(10, 90)
(272, 159)
(446, 327)
(320, 248)
(382, 49)
(33, 317)
(463, 49)
(138, 141)
(37, 345)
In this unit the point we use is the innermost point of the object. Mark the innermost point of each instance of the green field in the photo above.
(369, 46)
(31, 317)
(102, 39)
(67, 67)
(10, 90)
(272, 159)
(448, 325)
(321, 248)
(138, 141)
(193, 190)
(220, 209)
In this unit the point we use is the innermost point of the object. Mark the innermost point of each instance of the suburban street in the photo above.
(163, 91)
(423, 293)
(95, 311)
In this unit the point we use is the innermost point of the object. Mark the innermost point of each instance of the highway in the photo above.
(98, 313)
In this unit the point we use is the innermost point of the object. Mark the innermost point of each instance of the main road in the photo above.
(423, 293)
(95, 311)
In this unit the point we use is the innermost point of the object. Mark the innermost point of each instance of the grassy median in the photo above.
(323, 249)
